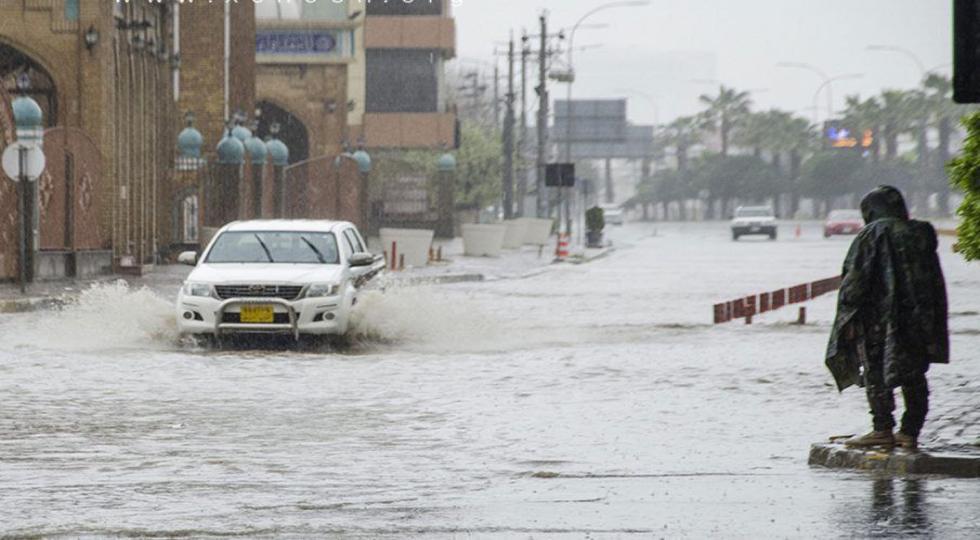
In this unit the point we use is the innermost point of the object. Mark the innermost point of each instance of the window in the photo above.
(189, 233)
(355, 242)
(71, 10)
(402, 80)
(275, 247)
(404, 7)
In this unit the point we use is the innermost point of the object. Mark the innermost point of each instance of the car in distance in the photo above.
(613, 215)
(754, 220)
(843, 222)
(294, 277)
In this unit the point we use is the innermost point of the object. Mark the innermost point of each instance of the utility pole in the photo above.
(522, 140)
(509, 135)
(542, 90)
(496, 95)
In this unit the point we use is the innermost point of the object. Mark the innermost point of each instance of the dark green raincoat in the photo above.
(893, 294)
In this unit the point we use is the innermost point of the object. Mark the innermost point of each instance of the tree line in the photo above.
(775, 157)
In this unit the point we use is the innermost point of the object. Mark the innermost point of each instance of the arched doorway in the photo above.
(13, 64)
(292, 131)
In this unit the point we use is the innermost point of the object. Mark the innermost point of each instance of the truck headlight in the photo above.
(198, 289)
(318, 290)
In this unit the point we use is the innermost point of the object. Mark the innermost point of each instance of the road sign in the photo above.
(33, 161)
(559, 175)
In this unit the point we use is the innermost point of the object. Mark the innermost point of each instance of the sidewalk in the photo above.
(454, 268)
(511, 264)
(948, 446)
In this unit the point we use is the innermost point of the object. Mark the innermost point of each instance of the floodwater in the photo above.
(584, 401)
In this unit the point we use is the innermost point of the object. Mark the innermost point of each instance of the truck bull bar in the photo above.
(292, 326)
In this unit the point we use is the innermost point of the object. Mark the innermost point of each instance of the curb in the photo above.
(36, 303)
(956, 462)
(584, 258)
(438, 280)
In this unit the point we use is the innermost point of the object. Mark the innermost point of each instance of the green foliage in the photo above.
(479, 168)
(964, 172)
(745, 177)
(595, 219)
(898, 173)
(831, 174)
(725, 112)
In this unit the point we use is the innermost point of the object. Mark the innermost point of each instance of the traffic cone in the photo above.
(562, 251)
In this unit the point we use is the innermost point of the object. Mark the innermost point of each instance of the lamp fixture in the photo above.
(91, 38)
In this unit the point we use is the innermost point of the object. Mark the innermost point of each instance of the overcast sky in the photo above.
(657, 50)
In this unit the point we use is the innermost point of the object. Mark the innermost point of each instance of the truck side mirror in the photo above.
(188, 257)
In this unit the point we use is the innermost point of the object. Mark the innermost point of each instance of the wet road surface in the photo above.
(591, 400)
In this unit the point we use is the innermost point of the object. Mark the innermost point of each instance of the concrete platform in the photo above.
(959, 462)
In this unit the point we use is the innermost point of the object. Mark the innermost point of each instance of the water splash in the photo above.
(425, 318)
(104, 316)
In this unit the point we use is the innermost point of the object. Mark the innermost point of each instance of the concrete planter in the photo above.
(516, 231)
(483, 240)
(538, 231)
(413, 244)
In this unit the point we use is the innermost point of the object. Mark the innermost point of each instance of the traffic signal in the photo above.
(966, 51)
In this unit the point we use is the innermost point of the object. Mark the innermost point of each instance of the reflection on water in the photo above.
(898, 507)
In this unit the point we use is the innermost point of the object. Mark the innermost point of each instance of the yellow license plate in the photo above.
(257, 315)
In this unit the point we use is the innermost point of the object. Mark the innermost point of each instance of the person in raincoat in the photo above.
(891, 318)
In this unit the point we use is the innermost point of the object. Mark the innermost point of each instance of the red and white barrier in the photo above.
(747, 307)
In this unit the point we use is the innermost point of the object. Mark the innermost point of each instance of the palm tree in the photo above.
(725, 111)
(898, 111)
(801, 138)
(682, 134)
(755, 132)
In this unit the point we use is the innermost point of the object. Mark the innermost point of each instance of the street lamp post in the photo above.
(907, 53)
(571, 82)
(826, 82)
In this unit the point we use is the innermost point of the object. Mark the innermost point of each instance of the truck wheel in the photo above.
(772, 235)
(734, 236)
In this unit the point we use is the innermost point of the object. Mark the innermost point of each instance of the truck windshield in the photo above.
(754, 212)
(280, 247)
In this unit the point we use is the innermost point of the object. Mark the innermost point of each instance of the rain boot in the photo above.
(875, 438)
(907, 442)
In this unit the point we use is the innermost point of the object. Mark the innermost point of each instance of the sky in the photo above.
(661, 55)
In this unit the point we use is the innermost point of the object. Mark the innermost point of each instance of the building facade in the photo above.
(405, 99)
(101, 72)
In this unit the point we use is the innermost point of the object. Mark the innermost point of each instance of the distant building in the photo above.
(405, 98)
(304, 52)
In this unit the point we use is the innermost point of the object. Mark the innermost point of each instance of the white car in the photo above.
(749, 220)
(613, 215)
(289, 277)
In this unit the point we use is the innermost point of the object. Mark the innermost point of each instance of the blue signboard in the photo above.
(293, 43)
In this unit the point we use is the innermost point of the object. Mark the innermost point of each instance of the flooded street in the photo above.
(592, 400)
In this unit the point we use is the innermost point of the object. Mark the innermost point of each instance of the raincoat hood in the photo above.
(884, 202)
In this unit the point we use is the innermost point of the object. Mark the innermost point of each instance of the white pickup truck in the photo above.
(290, 277)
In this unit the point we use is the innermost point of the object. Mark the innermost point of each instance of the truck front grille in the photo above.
(286, 292)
